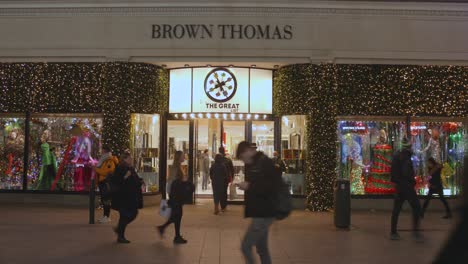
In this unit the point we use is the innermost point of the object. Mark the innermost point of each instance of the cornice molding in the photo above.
(458, 11)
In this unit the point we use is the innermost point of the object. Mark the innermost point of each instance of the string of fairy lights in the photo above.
(114, 89)
(323, 92)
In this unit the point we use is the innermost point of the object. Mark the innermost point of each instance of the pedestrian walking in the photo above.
(402, 174)
(219, 180)
(181, 191)
(230, 168)
(104, 169)
(128, 198)
(261, 187)
(435, 186)
(279, 163)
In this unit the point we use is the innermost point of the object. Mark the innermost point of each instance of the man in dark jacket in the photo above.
(261, 187)
(230, 168)
(402, 174)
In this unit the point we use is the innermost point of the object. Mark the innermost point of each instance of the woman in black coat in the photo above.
(181, 191)
(435, 186)
(219, 179)
(128, 197)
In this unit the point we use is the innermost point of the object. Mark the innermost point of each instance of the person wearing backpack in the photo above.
(262, 185)
(128, 197)
(104, 169)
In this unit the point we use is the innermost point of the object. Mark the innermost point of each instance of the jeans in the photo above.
(106, 201)
(126, 217)
(205, 176)
(406, 193)
(257, 235)
(440, 192)
(176, 218)
(224, 197)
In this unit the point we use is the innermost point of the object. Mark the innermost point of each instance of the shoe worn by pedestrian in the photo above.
(180, 192)
(402, 174)
(128, 199)
(261, 187)
(104, 220)
(435, 186)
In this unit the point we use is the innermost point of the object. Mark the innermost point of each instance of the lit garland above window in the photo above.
(324, 92)
(114, 89)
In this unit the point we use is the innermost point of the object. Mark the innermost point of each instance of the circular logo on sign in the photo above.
(220, 85)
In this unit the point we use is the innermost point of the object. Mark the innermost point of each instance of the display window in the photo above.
(12, 140)
(365, 153)
(293, 148)
(144, 146)
(63, 151)
(443, 141)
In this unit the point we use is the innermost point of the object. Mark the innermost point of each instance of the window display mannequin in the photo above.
(353, 159)
(433, 146)
(14, 151)
(83, 162)
(379, 181)
(48, 163)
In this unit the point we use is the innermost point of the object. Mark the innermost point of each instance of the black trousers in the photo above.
(406, 193)
(440, 192)
(106, 201)
(175, 218)
(224, 197)
(126, 217)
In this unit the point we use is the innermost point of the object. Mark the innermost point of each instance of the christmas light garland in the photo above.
(114, 89)
(323, 92)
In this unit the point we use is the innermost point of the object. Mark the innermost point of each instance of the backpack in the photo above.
(283, 198)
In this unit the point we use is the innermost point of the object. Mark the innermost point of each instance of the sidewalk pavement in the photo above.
(32, 234)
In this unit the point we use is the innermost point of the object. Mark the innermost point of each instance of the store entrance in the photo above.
(200, 139)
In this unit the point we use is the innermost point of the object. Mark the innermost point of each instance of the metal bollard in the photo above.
(92, 200)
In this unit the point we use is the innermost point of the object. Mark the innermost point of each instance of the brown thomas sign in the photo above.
(225, 31)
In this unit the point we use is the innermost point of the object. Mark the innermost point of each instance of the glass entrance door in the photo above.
(178, 138)
(207, 141)
(234, 132)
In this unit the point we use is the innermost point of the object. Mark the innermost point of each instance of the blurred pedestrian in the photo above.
(279, 163)
(230, 168)
(104, 169)
(181, 191)
(128, 198)
(261, 187)
(219, 180)
(402, 174)
(435, 186)
(205, 169)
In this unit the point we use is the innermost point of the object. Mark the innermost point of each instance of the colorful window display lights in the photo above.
(12, 152)
(367, 147)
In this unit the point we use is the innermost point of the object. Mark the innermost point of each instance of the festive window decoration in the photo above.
(326, 91)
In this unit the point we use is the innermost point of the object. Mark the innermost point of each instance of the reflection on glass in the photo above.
(207, 144)
(444, 142)
(144, 145)
(263, 135)
(366, 153)
(177, 139)
(293, 146)
(11, 152)
(63, 152)
(233, 134)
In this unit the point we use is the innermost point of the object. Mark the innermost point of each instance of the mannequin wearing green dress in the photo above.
(48, 166)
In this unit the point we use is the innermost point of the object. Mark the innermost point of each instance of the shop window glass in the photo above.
(293, 147)
(365, 154)
(144, 145)
(443, 141)
(63, 149)
(12, 129)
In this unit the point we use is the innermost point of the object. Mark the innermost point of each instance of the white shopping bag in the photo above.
(164, 209)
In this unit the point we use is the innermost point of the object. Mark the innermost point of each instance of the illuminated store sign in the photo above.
(220, 90)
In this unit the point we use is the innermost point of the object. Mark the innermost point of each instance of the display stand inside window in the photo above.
(292, 160)
(145, 149)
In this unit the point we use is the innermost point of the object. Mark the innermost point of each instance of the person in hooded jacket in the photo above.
(128, 198)
(219, 179)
